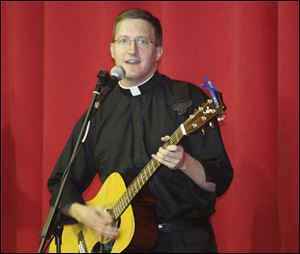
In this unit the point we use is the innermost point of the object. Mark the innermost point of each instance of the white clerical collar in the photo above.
(135, 91)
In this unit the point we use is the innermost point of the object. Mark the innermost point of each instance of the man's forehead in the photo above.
(134, 26)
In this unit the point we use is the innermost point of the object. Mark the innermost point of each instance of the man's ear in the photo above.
(159, 53)
(112, 50)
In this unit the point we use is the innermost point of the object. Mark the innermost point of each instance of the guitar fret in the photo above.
(135, 190)
(134, 187)
(143, 177)
(126, 198)
(118, 210)
(138, 181)
(122, 206)
(132, 193)
(177, 138)
(112, 213)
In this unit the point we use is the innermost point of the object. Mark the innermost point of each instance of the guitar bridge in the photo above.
(81, 243)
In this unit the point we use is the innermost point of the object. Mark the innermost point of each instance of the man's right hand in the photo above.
(95, 218)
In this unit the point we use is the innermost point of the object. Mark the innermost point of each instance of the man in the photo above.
(126, 132)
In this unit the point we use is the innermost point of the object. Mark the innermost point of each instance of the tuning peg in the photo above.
(211, 124)
(221, 117)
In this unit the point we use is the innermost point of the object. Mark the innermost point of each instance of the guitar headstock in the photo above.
(204, 114)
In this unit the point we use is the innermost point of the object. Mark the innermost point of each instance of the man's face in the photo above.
(139, 61)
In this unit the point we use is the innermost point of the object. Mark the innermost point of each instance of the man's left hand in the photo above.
(172, 157)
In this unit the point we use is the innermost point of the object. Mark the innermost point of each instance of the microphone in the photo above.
(109, 82)
(118, 73)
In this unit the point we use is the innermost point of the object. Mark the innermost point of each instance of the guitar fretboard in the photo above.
(142, 178)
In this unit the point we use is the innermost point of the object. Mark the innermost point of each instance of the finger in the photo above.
(162, 152)
(168, 155)
(171, 151)
(110, 232)
(164, 155)
(105, 234)
(165, 138)
(163, 161)
(105, 230)
(175, 152)
(172, 148)
(105, 216)
(167, 158)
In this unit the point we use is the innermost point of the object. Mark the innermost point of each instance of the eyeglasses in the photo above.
(141, 42)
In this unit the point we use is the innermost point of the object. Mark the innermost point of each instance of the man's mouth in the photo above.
(132, 61)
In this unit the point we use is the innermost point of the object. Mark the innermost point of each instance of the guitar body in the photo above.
(137, 233)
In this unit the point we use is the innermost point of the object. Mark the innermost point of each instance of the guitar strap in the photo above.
(182, 100)
(181, 105)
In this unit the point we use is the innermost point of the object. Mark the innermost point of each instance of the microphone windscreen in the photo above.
(118, 72)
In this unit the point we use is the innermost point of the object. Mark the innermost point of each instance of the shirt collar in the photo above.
(139, 89)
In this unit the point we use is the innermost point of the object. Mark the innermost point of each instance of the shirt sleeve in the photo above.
(207, 146)
(82, 171)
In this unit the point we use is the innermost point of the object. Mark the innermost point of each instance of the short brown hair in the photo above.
(140, 14)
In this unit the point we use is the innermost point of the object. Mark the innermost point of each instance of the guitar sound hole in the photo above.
(103, 248)
(96, 248)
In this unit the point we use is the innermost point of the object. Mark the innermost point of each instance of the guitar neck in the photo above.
(142, 178)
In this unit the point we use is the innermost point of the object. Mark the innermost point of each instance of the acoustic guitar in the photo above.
(133, 215)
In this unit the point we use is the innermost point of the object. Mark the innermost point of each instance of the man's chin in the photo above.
(133, 77)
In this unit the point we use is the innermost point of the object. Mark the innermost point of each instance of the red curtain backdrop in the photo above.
(51, 53)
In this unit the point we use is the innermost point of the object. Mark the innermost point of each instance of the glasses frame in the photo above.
(127, 42)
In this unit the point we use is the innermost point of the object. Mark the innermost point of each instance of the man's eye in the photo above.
(142, 41)
(123, 41)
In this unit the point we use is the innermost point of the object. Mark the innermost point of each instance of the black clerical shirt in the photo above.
(126, 130)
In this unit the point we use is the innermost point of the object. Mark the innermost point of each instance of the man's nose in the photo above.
(132, 47)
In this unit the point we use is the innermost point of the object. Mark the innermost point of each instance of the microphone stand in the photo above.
(53, 225)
